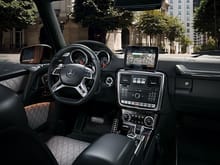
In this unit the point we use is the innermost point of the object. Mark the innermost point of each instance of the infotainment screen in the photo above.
(141, 57)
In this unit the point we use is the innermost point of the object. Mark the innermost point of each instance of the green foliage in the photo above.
(201, 23)
(156, 23)
(185, 42)
(152, 22)
(101, 14)
(175, 29)
(207, 19)
(197, 48)
(16, 13)
(210, 45)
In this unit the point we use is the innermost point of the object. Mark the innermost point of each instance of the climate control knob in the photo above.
(148, 121)
(126, 117)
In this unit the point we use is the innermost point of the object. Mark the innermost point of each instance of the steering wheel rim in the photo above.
(73, 75)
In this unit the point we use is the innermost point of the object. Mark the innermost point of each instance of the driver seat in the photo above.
(19, 144)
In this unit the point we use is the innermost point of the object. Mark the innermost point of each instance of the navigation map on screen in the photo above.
(144, 57)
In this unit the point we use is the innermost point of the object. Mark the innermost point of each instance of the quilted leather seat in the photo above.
(21, 145)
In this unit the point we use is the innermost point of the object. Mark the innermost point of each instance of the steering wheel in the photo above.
(73, 76)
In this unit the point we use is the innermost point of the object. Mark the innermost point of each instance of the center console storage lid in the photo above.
(110, 149)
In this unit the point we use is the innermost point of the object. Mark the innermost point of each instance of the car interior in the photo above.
(82, 104)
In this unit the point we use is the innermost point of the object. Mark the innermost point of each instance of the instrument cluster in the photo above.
(80, 57)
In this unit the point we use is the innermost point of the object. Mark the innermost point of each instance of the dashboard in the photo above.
(183, 85)
(193, 87)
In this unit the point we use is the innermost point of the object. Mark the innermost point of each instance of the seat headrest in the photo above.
(11, 109)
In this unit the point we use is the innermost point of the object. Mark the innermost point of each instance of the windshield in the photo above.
(178, 28)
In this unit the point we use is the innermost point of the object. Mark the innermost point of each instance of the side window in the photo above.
(19, 29)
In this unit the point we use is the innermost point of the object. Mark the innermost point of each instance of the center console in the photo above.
(139, 96)
(140, 90)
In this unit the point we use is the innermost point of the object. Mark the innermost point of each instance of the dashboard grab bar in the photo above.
(183, 70)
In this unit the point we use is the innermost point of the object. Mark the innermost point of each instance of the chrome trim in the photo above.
(66, 54)
(44, 79)
(183, 70)
(107, 54)
(80, 88)
(151, 119)
(142, 138)
(131, 72)
(59, 67)
(129, 123)
(79, 50)
(109, 81)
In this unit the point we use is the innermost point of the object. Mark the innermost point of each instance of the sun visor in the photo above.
(138, 5)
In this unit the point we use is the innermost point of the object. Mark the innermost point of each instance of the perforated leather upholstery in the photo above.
(21, 145)
(37, 114)
(66, 150)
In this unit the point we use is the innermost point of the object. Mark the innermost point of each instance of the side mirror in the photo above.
(36, 54)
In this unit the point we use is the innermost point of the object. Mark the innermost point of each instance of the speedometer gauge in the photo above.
(78, 57)
(104, 58)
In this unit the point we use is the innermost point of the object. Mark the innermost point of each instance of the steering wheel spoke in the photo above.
(57, 70)
(57, 86)
(89, 73)
(81, 89)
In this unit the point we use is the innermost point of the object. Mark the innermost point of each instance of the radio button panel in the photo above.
(140, 90)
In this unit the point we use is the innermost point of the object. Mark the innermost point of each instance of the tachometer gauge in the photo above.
(78, 57)
(104, 58)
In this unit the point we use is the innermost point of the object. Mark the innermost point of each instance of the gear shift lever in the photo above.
(131, 133)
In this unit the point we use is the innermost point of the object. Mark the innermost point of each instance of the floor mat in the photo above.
(198, 146)
(89, 128)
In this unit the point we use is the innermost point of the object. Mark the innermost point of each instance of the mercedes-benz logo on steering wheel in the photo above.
(70, 73)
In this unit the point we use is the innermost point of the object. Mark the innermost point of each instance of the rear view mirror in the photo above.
(37, 54)
(138, 5)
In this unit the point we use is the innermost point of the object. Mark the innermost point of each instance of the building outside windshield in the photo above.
(179, 37)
